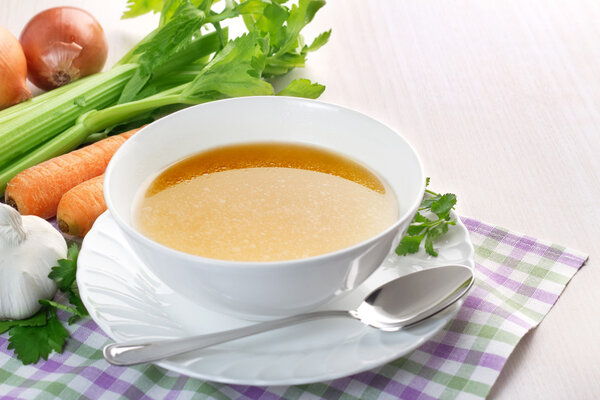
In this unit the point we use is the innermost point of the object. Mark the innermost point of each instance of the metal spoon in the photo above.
(397, 304)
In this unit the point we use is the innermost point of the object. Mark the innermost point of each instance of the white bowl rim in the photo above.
(259, 264)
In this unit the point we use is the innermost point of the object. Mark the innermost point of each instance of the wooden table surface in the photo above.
(501, 98)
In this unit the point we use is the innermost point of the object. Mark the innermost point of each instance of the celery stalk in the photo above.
(87, 124)
(20, 108)
(22, 133)
(24, 127)
(62, 143)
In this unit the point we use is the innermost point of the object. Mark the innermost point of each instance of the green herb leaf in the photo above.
(59, 306)
(409, 245)
(169, 8)
(64, 273)
(270, 22)
(30, 343)
(164, 43)
(136, 8)
(38, 319)
(429, 246)
(416, 229)
(442, 206)
(234, 71)
(438, 231)
(300, 16)
(302, 88)
(76, 301)
(287, 45)
(319, 41)
(437, 207)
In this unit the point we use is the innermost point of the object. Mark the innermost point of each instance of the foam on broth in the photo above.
(265, 202)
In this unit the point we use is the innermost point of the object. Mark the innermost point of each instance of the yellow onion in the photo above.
(63, 44)
(13, 71)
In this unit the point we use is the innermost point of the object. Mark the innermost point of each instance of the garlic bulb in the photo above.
(29, 248)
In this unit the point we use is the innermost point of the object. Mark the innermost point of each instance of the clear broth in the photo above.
(265, 202)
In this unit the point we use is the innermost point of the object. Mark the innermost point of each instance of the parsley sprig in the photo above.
(39, 335)
(430, 223)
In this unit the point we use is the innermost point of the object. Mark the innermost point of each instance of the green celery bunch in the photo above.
(188, 59)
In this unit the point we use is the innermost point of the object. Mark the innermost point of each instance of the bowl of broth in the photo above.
(264, 207)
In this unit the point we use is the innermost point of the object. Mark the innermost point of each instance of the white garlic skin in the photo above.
(29, 248)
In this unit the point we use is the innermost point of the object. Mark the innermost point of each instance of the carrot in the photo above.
(37, 190)
(80, 206)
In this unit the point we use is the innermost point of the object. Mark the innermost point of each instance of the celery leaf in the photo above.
(234, 71)
(319, 41)
(302, 88)
(288, 50)
(167, 41)
(136, 8)
(300, 16)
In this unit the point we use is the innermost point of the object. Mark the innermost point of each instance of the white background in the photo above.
(502, 101)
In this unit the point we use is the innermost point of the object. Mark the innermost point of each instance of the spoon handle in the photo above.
(131, 353)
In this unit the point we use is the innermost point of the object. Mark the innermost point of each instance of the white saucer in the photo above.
(129, 302)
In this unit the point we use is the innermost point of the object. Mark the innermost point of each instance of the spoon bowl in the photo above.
(414, 297)
(397, 304)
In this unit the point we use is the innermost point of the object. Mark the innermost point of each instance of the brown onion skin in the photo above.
(63, 27)
(13, 71)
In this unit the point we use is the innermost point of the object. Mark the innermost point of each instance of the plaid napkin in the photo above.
(518, 279)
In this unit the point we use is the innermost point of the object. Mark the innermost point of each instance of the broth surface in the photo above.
(265, 202)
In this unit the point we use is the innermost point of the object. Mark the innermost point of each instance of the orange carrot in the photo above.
(37, 190)
(80, 206)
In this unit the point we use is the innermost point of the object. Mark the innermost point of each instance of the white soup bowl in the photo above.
(259, 290)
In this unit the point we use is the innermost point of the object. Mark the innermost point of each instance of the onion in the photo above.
(61, 45)
(13, 71)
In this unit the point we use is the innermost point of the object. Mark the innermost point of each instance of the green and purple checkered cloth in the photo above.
(518, 279)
